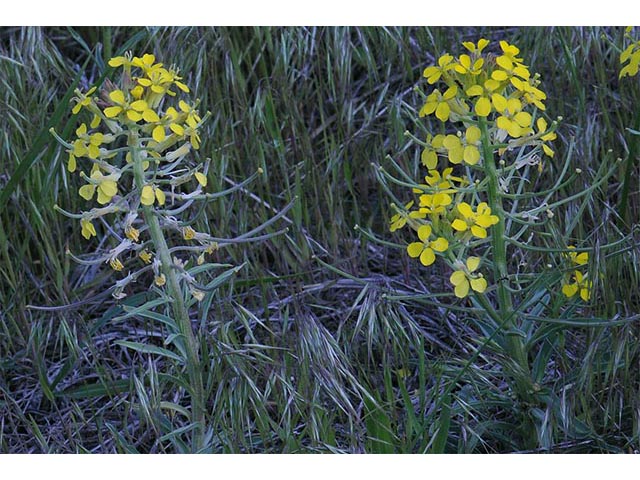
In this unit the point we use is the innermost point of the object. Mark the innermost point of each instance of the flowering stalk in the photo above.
(490, 108)
(174, 291)
(137, 143)
(499, 245)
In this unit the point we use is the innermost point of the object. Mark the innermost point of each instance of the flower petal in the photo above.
(457, 277)
(424, 232)
(462, 289)
(117, 96)
(473, 263)
(478, 284)
(147, 196)
(415, 249)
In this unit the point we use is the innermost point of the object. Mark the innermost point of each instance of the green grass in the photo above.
(326, 341)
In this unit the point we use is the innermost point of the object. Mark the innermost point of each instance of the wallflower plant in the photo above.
(474, 215)
(134, 157)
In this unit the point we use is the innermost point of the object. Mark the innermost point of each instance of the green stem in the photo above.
(180, 311)
(499, 244)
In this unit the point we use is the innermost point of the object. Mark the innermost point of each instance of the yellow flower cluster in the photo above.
(476, 92)
(499, 88)
(139, 103)
(140, 115)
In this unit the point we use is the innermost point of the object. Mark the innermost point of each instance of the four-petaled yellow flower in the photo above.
(466, 66)
(84, 100)
(581, 285)
(433, 73)
(581, 258)
(463, 279)
(441, 188)
(477, 222)
(483, 105)
(86, 145)
(425, 248)
(134, 111)
(466, 149)
(512, 119)
(106, 186)
(439, 103)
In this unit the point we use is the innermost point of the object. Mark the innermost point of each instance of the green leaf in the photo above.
(444, 422)
(99, 389)
(143, 348)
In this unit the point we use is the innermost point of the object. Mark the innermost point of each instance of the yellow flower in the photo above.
(87, 145)
(466, 67)
(192, 114)
(106, 186)
(510, 52)
(134, 111)
(158, 80)
(116, 264)
(429, 155)
(482, 43)
(466, 150)
(88, 230)
(581, 285)
(425, 248)
(483, 105)
(399, 220)
(581, 258)
(433, 73)
(630, 54)
(84, 100)
(441, 188)
(146, 63)
(188, 233)
(464, 278)
(512, 119)
(530, 93)
(477, 222)
(439, 103)
(509, 70)
(160, 280)
(545, 136)
(145, 256)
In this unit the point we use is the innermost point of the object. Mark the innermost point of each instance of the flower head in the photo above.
(464, 278)
(580, 284)
(476, 222)
(426, 247)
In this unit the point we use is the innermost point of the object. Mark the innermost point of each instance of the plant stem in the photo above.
(180, 311)
(501, 273)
